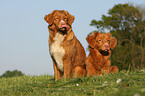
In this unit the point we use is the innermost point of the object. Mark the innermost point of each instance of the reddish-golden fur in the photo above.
(98, 61)
(66, 51)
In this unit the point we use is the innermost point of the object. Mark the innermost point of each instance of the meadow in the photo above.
(123, 83)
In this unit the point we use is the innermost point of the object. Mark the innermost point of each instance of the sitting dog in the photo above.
(66, 51)
(100, 45)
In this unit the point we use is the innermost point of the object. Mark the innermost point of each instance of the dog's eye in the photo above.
(65, 18)
(108, 40)
(99, 40)
(56, 18)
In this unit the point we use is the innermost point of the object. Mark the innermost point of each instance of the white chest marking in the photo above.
(57, 51)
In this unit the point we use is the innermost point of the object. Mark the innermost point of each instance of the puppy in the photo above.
(97, 62)
(66, 51)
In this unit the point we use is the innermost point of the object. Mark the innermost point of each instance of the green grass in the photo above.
(133, 83)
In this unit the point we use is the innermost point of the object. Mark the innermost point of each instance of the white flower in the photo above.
(105, 83)
(77, 84)
(118, 81)
(136, 94)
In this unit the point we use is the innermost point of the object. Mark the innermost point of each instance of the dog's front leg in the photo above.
(67, 69)
(57, 73)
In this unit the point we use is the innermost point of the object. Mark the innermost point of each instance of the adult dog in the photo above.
(66, 51)
(97, 62)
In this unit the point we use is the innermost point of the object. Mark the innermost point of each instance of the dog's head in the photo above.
(60, 20)
(101, 41)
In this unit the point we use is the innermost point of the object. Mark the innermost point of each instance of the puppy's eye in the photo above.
(108, 40)
(99, 40)
(65, 18)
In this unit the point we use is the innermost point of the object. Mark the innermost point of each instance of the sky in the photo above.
(24, 32)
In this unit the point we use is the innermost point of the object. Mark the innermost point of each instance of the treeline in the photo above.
(14, 73)
(127, 23)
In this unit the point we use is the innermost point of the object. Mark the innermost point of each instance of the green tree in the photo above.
(127, 24)
(14, 73)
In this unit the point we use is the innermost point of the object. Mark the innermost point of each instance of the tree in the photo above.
(12, 73)
(127, 24)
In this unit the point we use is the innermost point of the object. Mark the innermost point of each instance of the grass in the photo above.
(132, 84)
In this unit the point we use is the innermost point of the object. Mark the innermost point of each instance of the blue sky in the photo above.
(24, 33)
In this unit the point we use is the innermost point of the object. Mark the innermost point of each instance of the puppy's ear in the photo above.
(49, 18)
(92, 39)
(108, 33)
(71, 18)
(113, 42)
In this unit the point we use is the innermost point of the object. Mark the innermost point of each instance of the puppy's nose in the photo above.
(106, 45)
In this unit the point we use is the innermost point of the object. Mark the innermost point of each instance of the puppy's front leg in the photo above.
(113, 69)
(106, 67)
(79, 71)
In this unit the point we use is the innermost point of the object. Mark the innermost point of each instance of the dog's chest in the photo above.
(57, 51)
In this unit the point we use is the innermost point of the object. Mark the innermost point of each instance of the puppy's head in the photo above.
(102, 42)
(60, 20)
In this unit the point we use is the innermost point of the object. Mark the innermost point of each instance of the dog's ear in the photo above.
(71, 18)
(49, 18)
(92, 39)
(113, 42)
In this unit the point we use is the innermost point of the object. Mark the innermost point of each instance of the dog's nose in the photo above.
(63, 24)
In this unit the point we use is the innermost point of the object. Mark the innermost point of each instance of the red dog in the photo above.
(66, 51)
(97, 62)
